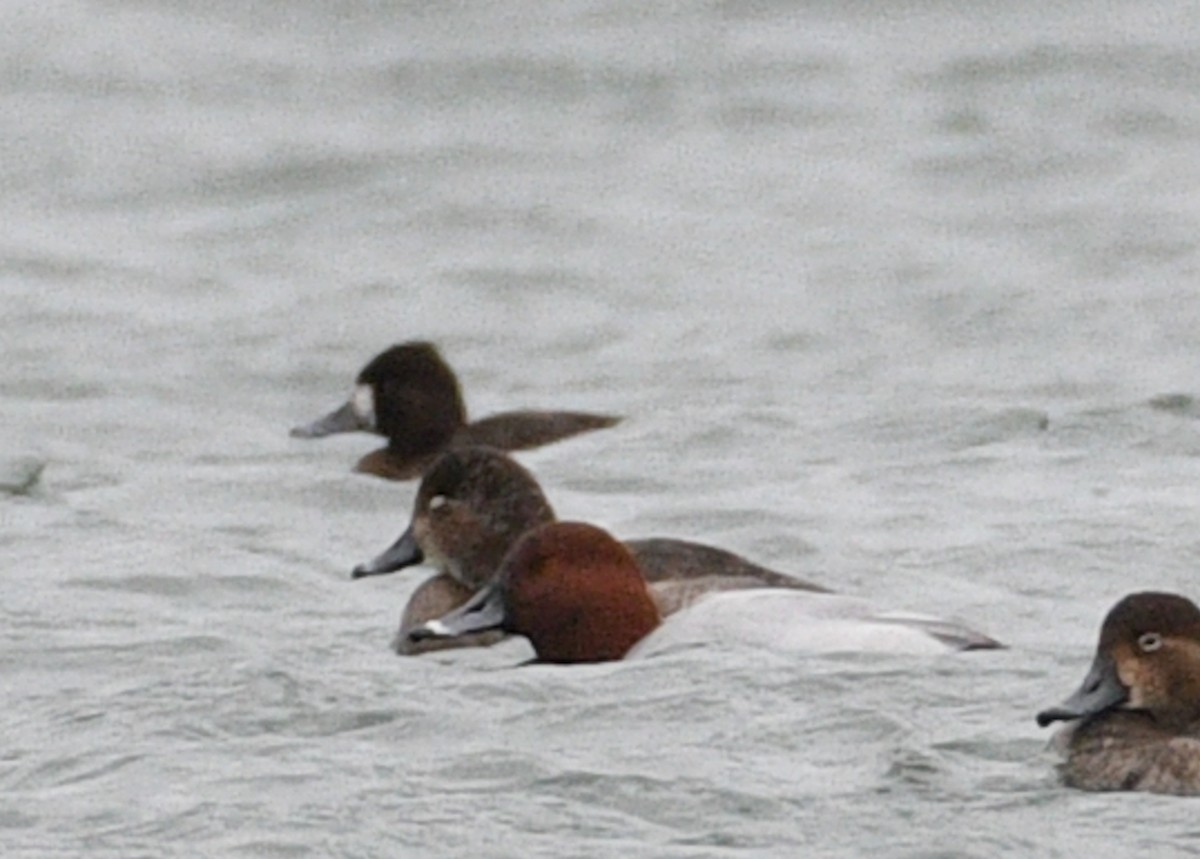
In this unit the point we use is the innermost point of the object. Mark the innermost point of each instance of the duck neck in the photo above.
(601, 634)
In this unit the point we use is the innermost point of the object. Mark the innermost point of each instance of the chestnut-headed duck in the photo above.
(473, 505)
(409, 394)
(578, 595)
(1135, 721)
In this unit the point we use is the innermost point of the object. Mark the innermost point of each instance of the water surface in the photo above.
(900, 298)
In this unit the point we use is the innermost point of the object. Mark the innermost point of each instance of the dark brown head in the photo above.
(407, 393)
(1148, 659)
(472, 506)
(417, 401)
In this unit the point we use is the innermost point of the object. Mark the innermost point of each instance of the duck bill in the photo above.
(482, 612)
(1102, 690)
(403, 553)
(343, 419)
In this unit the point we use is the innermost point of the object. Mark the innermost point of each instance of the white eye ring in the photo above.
(1149, 642)
(437, 502)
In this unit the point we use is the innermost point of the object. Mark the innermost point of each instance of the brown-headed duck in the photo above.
(1135, 721)
(472, 506)
(409, 394)
(578, 595)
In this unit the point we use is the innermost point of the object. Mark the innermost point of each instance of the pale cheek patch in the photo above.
(437, 627)
(1129, 673)
(427, 540)
(1141, 679)
(363, 403)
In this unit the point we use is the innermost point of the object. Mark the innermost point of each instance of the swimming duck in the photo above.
(473, 505)
(409, 394)
(578, 595)
(1134, 724)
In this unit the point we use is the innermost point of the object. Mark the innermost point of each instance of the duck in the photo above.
(474, 504)
(409, 394)
(577, 594)
(1134, 723)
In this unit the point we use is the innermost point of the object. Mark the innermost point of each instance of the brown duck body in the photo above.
(1129, 750)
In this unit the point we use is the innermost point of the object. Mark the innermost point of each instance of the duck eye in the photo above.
(437, 502)
(1149, 642)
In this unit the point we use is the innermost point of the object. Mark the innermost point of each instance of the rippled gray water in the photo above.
(900, 297)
